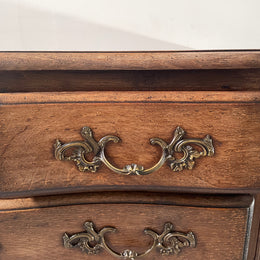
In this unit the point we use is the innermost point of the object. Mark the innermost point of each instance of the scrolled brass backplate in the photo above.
(169, 242)
(79, 149)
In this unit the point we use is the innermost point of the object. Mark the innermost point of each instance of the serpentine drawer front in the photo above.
(229, 123)
(105, 226)
(131, 155)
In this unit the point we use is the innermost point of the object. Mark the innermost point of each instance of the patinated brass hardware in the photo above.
(178, 145)
(169, 242)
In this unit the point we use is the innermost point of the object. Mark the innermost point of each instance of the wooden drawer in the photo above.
(30, 124)
(134, 96)
(34, 227)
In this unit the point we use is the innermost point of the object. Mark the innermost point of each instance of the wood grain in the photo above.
(129, 60)
(130, 97)
(136, 96)
(119, 197)
(28, 131)
(220, 232)
(159, 80)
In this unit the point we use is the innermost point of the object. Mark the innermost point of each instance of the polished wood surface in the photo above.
(37, 232)
(130, 197)
(164, 60)
(30, 130)
(136, 96)
(131, 97)
(159, 80)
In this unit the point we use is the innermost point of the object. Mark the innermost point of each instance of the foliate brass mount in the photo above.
(169, 242)
(79, 149)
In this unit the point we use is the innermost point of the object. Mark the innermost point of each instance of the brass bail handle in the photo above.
(169, 242)
(78, 150)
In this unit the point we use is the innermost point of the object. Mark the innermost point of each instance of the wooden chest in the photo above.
(145, 155)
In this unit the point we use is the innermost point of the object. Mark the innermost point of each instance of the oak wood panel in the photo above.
(29, 123)
(130, 197)
(220, 232)
(130, 97)
(35, 81)
(29, 131)
(164, 60)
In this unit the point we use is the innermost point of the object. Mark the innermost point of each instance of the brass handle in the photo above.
(178, 145)
(169, 242)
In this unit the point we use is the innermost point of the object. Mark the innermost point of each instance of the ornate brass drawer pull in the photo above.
(169, 242)
(179, 145)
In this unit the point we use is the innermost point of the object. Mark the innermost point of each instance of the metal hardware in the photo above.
(169, 242)
(178, 145)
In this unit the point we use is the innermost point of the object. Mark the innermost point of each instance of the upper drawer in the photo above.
(30, 124)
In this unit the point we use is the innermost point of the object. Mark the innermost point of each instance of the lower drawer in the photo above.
(35, 228)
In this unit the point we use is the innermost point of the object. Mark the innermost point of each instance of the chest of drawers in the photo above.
(68, 184)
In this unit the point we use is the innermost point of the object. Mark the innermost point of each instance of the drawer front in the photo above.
(29, 131)
(219, 232)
